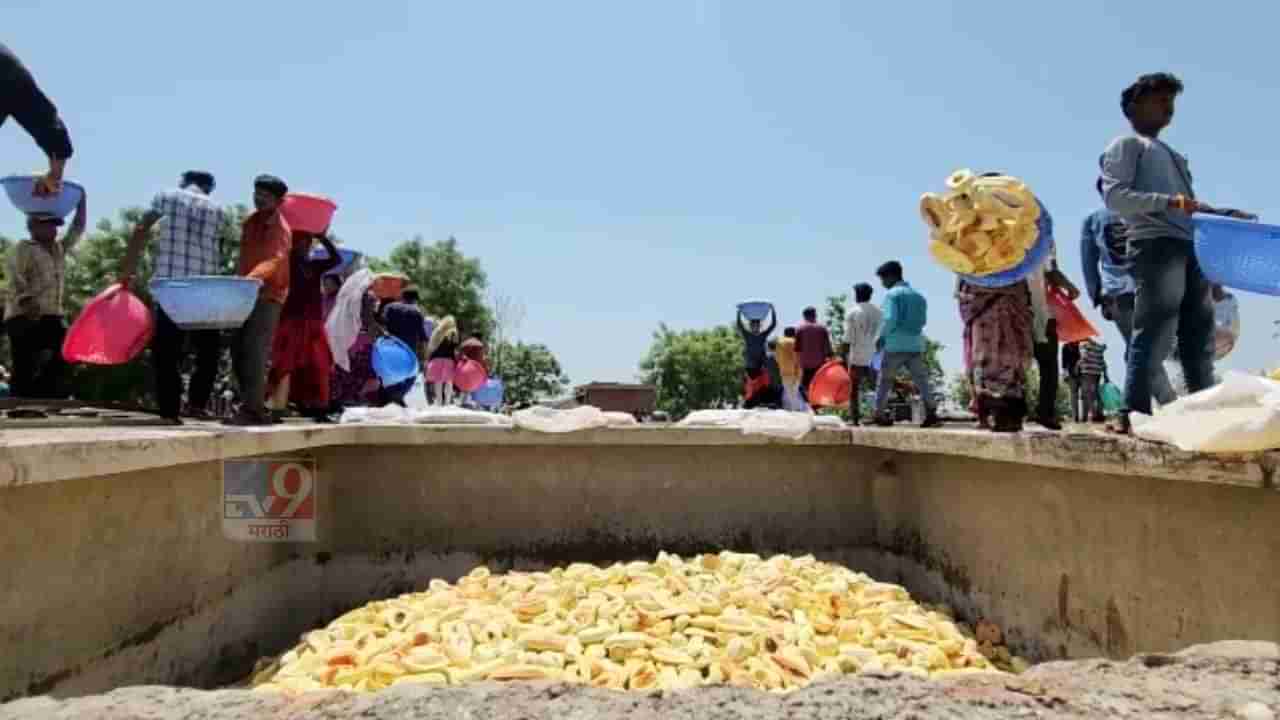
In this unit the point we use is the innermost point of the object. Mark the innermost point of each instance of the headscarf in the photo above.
(446, 329)
(343, 323)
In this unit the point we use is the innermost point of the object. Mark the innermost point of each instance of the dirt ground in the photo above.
(1222, 680)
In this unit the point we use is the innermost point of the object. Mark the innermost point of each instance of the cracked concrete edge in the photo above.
(52, 455)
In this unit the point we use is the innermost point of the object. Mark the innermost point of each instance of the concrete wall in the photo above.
(126, 579)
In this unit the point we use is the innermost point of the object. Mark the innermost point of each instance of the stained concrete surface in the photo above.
(1225, 680)
(117, 572)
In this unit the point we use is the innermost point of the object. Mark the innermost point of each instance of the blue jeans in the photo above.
(1120, 307)
(889, 366)
(1173, 299)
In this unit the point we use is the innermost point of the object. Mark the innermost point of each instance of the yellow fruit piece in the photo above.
(732, 618)
(951, 258)
(960, 180)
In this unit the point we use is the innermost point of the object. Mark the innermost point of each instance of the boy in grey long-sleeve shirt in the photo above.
(1148, 184)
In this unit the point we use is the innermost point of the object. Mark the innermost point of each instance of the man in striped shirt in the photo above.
(187, 245)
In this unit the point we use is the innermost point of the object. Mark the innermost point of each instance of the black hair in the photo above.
(1099, 186)
(810, 312)
(1147, 85)
(410, 295)
(772, 344)
(862, 292)
(478, 336)
(271, 184)
(199, 177)
(893, 268)
(789, 332)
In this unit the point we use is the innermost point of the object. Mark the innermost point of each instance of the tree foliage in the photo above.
(530, 373)
(449, 282)
(960, 392)
(694, 369)
(837, 307)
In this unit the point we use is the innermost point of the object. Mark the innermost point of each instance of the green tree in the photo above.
(694, 369)
(837, 306)
(530, 373)
(960, 392)
(449, 282)
(1063, 405)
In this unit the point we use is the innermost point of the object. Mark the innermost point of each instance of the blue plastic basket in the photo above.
(490, 394)
(18, 188)
(755, 310)
(393, 361)
(1034, 258)
(345, 258)
(206, 302)
(1239, 254)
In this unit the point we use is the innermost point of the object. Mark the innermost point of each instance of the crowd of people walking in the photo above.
(1140, 270)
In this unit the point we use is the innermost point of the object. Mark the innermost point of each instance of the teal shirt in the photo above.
(905, 314)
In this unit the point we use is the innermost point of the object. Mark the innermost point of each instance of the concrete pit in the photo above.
(1078, 546)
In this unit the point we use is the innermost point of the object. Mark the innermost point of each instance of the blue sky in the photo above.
(620, 165)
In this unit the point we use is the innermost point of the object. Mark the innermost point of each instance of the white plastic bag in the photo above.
(620, 419)
(1241, 414)
(390, 414)
(777, 423)
(343, 324)
(549, 420)
(714, 418)
(827, 422)
(416, 398)
(453, 415)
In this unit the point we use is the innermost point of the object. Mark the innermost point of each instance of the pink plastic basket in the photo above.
(308, 213)
(113, 328)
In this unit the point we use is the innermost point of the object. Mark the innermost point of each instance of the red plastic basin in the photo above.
(308, 213)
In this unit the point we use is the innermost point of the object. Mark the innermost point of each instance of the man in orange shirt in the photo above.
(264, 254)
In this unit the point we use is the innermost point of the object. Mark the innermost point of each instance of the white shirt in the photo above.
(861, 327)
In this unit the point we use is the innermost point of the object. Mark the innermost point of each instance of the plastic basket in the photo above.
(1034, 258)
(345, 259)
(831, 386)
(470, 376)
(755, 310)
(1112, 398)
(19, 188)
(112, 329)
(308, 213)
(206, 302)
(1073, 326)
(393, 361)
(489, 395)
(1239, 254)
(388, 286)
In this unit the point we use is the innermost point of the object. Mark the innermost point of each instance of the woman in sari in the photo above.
(300, 357)
(998, 348)
(356, 304)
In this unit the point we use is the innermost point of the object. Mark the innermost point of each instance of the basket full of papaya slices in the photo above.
(987, 229)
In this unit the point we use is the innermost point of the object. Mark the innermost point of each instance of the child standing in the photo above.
(1092, 366)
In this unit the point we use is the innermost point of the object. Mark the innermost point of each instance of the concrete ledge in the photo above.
(51, 455)
(1081, 452)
